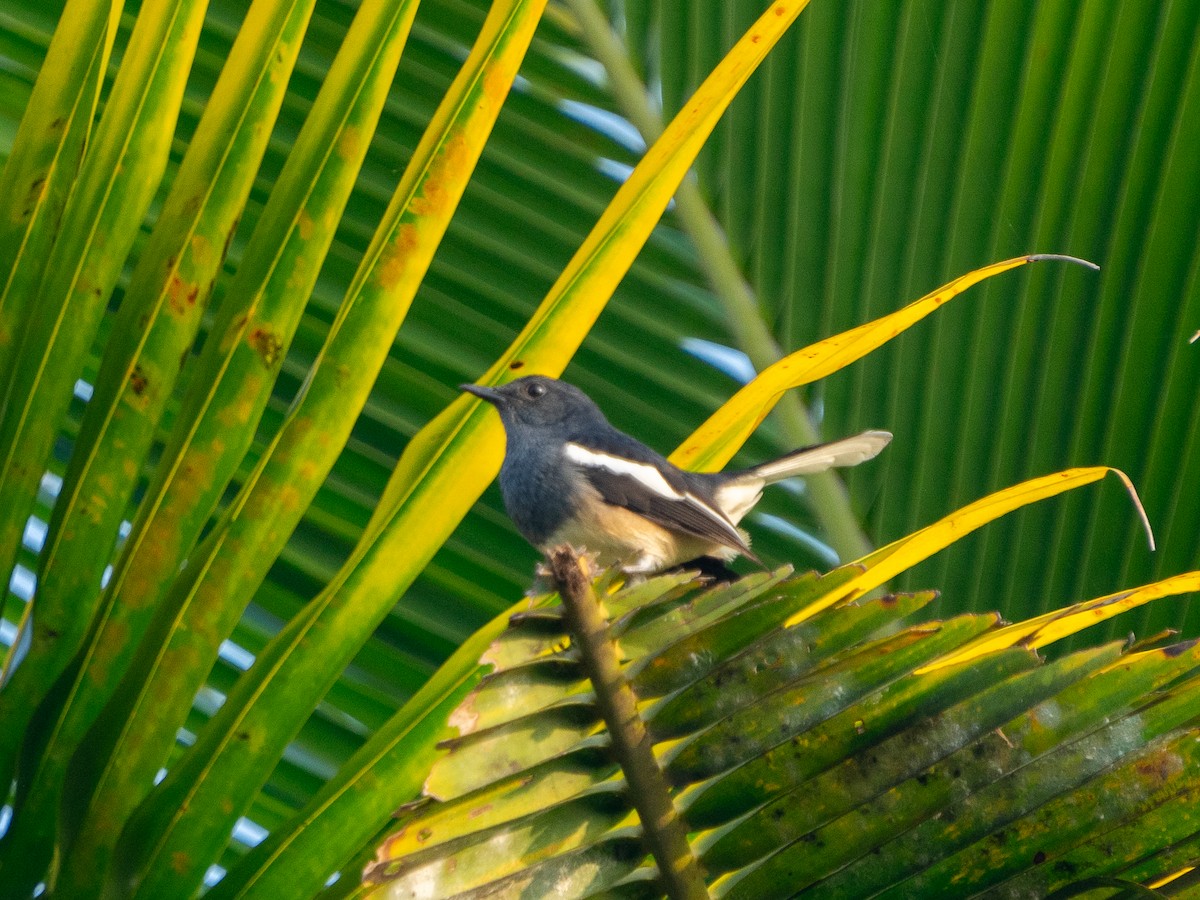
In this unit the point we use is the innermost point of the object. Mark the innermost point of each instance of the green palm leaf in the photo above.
(843, 771)
(883, 149)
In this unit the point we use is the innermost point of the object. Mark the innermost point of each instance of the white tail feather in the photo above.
(845, 452)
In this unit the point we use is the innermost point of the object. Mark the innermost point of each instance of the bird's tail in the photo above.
(848, 451)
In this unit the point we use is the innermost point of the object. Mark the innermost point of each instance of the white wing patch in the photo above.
(649, 477)
(644, 473)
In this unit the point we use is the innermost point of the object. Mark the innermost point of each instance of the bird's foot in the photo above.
(710, 568)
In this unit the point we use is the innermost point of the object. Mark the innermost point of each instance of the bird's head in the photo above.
(536, 401)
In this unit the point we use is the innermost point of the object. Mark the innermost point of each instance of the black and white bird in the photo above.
(569, 477)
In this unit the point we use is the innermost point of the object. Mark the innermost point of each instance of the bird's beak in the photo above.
(491, 395)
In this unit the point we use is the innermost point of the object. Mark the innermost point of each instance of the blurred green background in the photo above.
(884, 148)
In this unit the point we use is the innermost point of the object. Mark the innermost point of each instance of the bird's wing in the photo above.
(655, 490)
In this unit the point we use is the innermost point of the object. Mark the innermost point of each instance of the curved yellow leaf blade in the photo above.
(888, 562)
(44, 157)
(715, 442)
(1167, 879)
(582, 290)
(576, 299)
(1060, 623)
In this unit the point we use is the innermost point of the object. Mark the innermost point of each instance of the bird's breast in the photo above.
(617, 536)
(539, 493)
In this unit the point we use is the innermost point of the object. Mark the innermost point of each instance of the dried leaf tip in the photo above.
(1195, 337)
(1062, 257)
(1137, 504)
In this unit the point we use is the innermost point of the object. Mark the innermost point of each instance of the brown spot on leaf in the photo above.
(138, 381)
(516, 364)
(304, 225)
(289, 497)
(201, 248)
(180, 861)
(455, 157)
(181, 295)
(267, 346)
(348, 144)
(1159, 766)
(430, 200)
(395, 257)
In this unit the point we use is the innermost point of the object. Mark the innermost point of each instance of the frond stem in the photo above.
(664, 831)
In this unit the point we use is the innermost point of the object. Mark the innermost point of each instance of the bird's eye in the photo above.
(536, 389)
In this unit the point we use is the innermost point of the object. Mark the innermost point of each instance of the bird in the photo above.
(570, 477)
